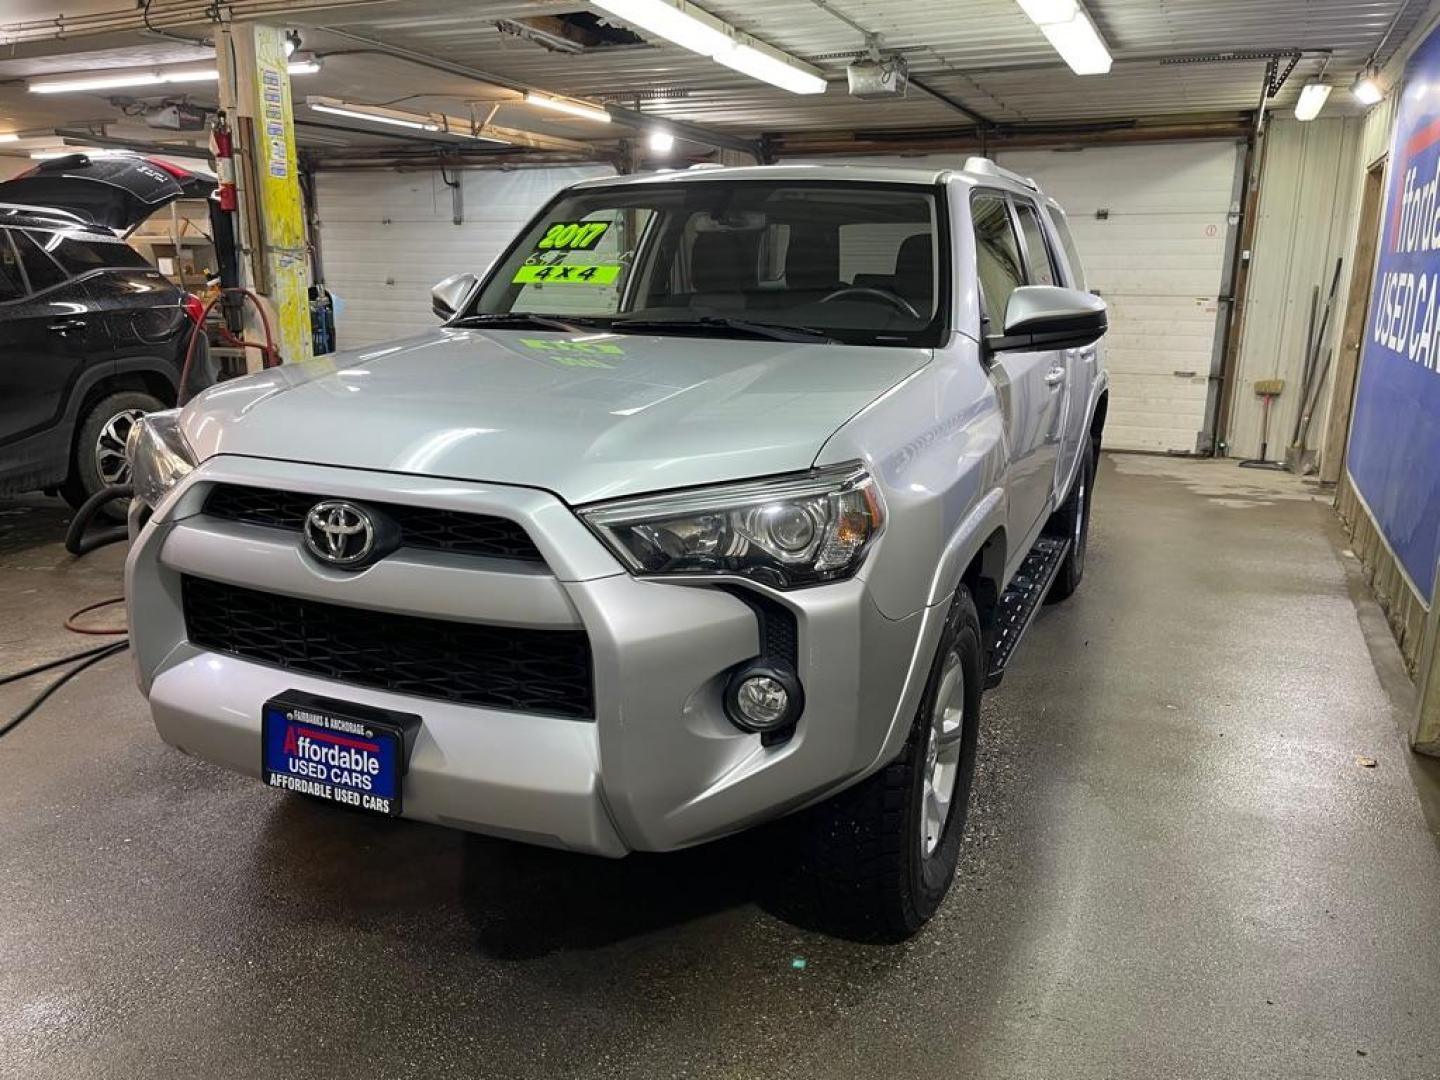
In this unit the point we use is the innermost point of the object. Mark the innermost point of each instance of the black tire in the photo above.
(1073, 520)
(869, 867)
(103, 416)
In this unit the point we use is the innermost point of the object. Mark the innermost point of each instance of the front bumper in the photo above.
(658, 768)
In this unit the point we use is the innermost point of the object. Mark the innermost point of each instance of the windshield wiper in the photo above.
(517, 318)
(725, 322)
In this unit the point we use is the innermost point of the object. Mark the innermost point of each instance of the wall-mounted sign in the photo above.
(1394, 454)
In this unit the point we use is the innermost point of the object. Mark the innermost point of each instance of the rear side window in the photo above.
(1067, 242)
(997, 254)
(1042, 262)
(12, 284)
(41, 269)
(79, 253)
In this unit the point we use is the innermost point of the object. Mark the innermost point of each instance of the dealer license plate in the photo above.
(344, 753)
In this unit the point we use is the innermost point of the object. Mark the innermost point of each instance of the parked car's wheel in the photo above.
(98, 459)
(882, 854)
(1072, 520)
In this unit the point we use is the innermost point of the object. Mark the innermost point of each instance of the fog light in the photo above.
(762, 697)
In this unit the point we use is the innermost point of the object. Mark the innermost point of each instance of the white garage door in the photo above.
(1151, 223)
(386, 238)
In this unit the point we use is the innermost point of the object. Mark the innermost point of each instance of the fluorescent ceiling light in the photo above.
(51, 155)
(770, 69)
(1367, 89)
(9, 136)
(1312, 99)
(373, 113)
(1071, 33)
(160, 76)
(701, 35)
(574, 108)
(661, 141)
(1049, 11)
(689, 27)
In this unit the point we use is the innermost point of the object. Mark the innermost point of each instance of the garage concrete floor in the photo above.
(1176, 868)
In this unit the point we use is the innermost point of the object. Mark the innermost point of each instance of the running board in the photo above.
(1019, 603)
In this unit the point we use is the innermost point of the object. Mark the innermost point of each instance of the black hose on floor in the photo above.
(76, 542)
(88, 658)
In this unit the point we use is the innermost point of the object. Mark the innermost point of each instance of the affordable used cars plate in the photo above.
(344, 753)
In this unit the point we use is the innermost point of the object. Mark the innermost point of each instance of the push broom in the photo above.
(1267, 390)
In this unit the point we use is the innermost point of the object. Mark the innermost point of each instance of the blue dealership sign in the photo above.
(1394, 455)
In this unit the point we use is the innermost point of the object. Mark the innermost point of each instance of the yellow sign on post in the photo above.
(280, 208)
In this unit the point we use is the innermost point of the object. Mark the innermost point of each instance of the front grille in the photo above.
(500, 667)
(420, 526)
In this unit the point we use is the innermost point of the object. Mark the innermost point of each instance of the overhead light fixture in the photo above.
(373, 113)
(574, 108)
(691, 28)
(159, 76)
(52, 154)
(9, 136)
(661, 141)
(697, 32)
(304, 64)
(1071, 33)
(771, 69)
(1313, 96)
(1367, 89)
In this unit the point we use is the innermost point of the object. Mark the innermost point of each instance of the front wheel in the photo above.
(1072, 521)
(882, 854)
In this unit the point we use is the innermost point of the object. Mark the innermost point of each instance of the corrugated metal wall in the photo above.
(1307, 215)
(387, 237)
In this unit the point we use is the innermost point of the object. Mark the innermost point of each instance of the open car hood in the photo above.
(117, 190)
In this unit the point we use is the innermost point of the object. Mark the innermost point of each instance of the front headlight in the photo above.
(785, 532)
(159, 456)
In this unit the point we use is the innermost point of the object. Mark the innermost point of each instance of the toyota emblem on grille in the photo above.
(340, 533)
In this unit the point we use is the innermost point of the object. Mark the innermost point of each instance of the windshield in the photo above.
(847, 262)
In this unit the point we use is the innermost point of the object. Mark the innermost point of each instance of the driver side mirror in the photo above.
(1047, 317)
(449, 296)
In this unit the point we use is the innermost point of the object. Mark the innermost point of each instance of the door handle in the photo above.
(64, 326)
(1054, 377)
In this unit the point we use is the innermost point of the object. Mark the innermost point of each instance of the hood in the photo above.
(118, 190)
(588, 417)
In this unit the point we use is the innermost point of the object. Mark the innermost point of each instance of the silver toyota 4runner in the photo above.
(720, 496)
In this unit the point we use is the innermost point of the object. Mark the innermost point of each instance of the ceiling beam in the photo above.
(682, 129)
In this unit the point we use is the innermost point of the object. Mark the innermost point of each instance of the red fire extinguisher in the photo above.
(224, 148)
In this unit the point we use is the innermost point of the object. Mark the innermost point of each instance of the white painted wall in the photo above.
(1306, 220)
(387, 237)
(1158, 260)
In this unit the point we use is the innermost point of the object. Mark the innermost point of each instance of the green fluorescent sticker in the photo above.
(572, 235)
(534, 273)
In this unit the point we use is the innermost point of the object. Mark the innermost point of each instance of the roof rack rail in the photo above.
(44, 211)
(986, 167)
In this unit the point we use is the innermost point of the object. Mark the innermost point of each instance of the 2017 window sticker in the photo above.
(572, 236)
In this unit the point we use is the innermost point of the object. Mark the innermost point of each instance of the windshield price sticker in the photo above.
(534, 273)
(572, 236)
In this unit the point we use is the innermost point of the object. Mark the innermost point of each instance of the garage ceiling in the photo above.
(982, 55)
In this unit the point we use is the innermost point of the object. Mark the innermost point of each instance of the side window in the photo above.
(41, 269)
(1072, 254)
(12, 283)
(1042, 262)
(79, 254)
(997, 254)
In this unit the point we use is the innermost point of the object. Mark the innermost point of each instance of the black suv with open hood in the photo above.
(91, 335)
